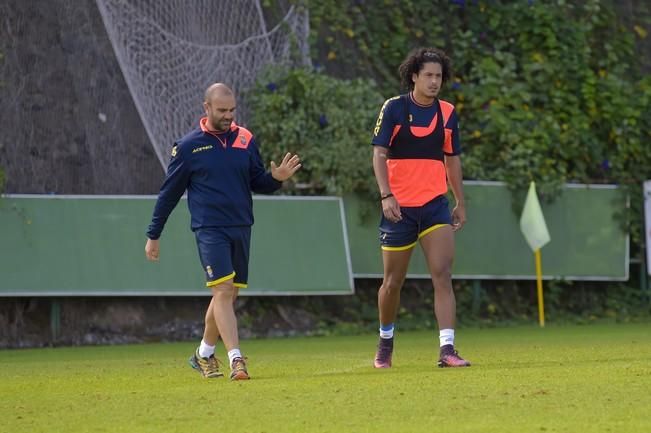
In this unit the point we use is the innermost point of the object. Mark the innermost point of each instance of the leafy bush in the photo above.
(327, 121)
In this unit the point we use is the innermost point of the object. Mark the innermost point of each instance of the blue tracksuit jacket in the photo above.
(219, 171)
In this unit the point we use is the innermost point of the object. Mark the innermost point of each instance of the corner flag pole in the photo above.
(541, 303)
(534, 229)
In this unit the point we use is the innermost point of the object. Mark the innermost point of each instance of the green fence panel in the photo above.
(587, 242)
(94, 246)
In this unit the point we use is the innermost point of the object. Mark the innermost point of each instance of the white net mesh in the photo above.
(171, 50)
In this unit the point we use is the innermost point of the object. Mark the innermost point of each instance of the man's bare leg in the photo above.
(438, 247)
(395, 270)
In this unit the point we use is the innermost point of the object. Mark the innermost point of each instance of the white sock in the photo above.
(446, 336)
(232, 354)
(205, 350)
(386, 331)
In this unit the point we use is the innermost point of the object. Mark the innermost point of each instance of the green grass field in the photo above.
(561, 379)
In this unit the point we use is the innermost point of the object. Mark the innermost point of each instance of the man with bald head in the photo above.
(219, 165)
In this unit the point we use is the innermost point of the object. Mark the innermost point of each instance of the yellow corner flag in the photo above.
(534, 229)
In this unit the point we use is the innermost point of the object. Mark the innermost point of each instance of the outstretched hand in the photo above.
(289, 165)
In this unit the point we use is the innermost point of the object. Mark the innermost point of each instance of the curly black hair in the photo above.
(415, 61)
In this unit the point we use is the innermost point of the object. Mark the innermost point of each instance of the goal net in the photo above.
(171, 50)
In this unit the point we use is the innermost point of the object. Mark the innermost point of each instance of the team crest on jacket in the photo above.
(242, 140)
(173, 151)
(209, 271)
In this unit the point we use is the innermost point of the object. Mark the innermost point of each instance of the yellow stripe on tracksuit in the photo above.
(226, 278)
(221, 280)
(403, 248)
(413, 244)
(430, 230)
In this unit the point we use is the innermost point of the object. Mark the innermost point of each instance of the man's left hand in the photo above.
(289, 165)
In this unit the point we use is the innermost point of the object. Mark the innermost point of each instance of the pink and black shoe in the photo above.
(450, 358)
(384, 353)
